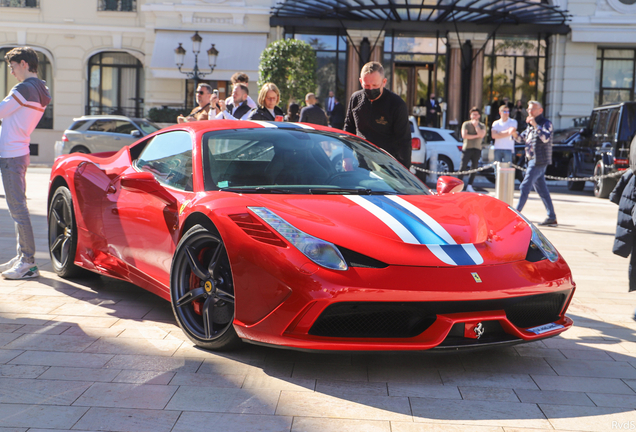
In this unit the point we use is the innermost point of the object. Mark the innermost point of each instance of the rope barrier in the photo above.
(494, 164)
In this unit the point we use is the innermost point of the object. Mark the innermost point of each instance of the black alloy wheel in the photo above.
(62, 233)
(202, 290)
(574, 185)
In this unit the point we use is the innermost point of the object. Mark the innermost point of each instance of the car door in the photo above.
(586, 147)
(142, 227)
(106, 135)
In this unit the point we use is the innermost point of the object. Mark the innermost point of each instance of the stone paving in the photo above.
(97, 354)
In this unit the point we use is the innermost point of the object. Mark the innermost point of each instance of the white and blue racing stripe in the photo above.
(414, 226)
(282, 125)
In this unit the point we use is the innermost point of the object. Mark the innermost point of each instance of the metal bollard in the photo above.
(505, 183)
(432, 165)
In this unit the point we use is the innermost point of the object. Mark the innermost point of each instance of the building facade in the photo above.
(117, 56)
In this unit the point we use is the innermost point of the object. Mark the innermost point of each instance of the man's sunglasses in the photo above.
(200, 92)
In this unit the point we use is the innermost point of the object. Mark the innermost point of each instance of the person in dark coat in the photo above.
(293, 112)
(268, 99)
(624, 194)
(337, 115)
(432, 111)
(312, 113)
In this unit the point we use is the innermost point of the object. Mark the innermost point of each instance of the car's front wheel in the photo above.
(62, 233)
(202, 290)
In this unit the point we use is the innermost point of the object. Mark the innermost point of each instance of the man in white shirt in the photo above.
(20, 113)
(241, 77)
(331, 103)
(502, 131)
(238, 109)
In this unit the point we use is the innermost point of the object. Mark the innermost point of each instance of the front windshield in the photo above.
(147, 126)
(301, 161)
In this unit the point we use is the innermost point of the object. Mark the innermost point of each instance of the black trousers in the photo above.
(470, 155)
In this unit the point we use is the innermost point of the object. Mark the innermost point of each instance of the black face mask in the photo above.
(373, 93)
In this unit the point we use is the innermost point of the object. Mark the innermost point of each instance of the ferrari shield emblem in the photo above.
(476, 277)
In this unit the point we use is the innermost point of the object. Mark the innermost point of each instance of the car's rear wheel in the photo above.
(574, 185)
(602, 187)
(202, 290)
(444, 164)
(80, 149)
(62, 233)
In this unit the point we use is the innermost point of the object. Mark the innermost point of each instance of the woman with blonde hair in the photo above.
(267, 102)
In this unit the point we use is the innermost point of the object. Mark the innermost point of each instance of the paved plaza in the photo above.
(97, 354)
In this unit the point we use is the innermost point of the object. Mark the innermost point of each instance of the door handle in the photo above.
(111, 189)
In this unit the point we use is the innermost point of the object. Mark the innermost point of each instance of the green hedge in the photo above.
(165, 114)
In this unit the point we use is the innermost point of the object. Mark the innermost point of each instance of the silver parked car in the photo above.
(103, 133)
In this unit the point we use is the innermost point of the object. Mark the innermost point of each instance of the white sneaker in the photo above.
(22, 270)
(469, 188)
(9, 264)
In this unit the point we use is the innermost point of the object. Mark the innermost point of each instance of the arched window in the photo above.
(115, 84)
(45, 73)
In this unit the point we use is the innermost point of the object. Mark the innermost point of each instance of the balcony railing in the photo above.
(116, 5)
(20, 3)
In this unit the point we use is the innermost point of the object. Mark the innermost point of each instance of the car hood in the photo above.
(420, 230)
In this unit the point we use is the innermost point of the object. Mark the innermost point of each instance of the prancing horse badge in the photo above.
(476, 277)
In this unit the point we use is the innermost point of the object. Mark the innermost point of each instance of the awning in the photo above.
(238, 52)
(507, 16)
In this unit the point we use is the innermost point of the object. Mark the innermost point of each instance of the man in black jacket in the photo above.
(312, 113)
(432, 110)
(337, 115)
(379, 115)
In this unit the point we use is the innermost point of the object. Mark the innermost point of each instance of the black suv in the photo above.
(603, 147)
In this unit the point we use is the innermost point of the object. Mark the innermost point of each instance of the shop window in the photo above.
(45, 73)
(331, 63)
(115, 84)
(117, 5)
(614, 76)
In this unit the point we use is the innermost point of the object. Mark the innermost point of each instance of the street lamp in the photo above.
(196, 74)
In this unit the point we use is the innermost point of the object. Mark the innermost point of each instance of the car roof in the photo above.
(614, 105)
(211, 125)
(107, 117)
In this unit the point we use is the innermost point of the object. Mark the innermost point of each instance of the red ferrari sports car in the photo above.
(307, 238)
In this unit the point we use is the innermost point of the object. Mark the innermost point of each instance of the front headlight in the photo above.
(319, 251)
(539, 240)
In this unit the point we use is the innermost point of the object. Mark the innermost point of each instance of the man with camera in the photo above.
(205, 100)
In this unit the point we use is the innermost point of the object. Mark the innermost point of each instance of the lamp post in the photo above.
(195, 73)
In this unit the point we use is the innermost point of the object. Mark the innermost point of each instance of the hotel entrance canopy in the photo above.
(504, 16)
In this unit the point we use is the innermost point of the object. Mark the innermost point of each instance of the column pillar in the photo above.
(353, 60)
(454, 84)
(477, 78)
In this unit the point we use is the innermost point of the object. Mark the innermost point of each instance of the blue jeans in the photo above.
(503, 155)
(535, 176)
(14, 182)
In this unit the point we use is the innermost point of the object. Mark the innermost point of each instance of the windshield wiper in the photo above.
(258, 189)
(344, 191)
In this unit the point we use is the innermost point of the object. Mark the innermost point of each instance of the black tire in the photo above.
(574, 185)
(603, 187)
(80, 149)
(63, 234)
(202, 290)
(444, 164)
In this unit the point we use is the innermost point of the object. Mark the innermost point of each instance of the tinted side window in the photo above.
(612, 123)
(628, 123)
(600, 128)
(123, 127)
(169, 157)
(77, 125)
(102, 126)
(431, 136)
